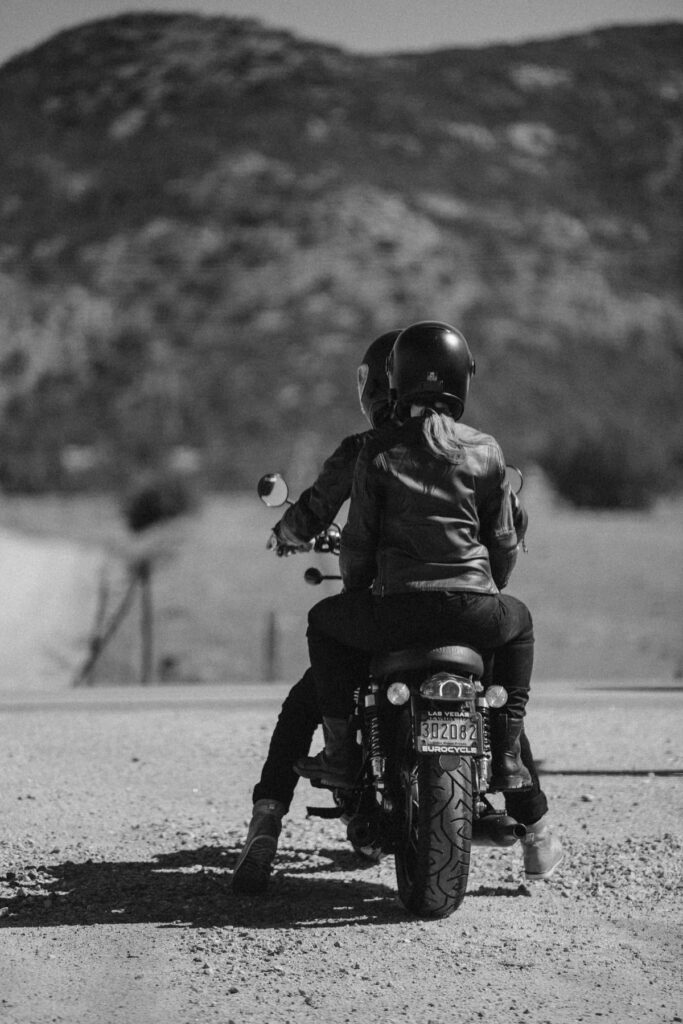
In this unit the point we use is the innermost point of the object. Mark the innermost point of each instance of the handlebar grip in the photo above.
(314, 576)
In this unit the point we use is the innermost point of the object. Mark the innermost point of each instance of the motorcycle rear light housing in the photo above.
(496, 696)
(446, 686)
(398, 693)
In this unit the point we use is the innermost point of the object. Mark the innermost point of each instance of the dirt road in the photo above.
(123, 811)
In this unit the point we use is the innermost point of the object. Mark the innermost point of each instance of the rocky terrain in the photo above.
(123, 812)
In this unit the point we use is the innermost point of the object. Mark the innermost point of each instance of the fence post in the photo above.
(271, 648)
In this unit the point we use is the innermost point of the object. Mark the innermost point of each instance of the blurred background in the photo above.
(206, 217)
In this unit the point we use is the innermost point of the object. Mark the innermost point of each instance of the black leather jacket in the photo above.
(318, 505)
(422, 522)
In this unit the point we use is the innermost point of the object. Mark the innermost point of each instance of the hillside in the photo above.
(203, 223)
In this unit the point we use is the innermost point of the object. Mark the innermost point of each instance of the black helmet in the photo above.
(430, 361)
(373, 383)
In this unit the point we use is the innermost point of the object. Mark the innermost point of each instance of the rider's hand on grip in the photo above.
(284, 543)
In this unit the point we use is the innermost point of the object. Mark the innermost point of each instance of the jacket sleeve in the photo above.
(360, 536)
(318, 505)
(497, 523)
(520, 517)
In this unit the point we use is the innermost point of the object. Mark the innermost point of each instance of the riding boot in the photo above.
(255, 862)
(507, 770)
(336, 766)
(542, 850)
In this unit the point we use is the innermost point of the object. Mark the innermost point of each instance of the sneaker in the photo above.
(542, 851)
(255, 862)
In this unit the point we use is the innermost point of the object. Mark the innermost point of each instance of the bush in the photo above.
(158, 498)
(608, 468)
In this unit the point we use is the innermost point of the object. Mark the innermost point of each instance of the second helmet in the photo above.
(431, 361)
(373, 383)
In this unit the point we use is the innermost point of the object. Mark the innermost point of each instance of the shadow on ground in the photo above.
(192, 888)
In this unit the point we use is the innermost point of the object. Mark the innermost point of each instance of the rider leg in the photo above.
(292, 737)
(343, 632)
(338, 665)
(542, 851)
(512, 666)
(527, 805)
(298, 720)
(255, 862)
(501, 626)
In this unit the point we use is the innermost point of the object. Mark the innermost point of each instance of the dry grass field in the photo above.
(606, 589)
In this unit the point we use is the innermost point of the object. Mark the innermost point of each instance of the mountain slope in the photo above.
(204, 222)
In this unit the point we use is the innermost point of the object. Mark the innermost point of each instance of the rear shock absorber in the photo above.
(374, 740)
(485, 759)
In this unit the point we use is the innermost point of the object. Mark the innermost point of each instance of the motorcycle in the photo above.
(422, 720)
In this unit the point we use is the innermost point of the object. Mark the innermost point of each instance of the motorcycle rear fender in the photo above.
(455, 658)
(441, 688)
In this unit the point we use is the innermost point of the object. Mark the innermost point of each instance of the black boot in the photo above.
(255, 862)
(336, 766)
(507, 770)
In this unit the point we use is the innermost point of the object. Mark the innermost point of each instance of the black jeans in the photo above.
(293, 734)
(291, 740)
(344, 632)
(300, 716)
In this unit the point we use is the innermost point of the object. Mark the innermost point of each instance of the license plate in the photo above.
(449, 732)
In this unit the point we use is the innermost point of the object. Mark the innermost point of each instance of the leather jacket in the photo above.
(318, 505)
(422, 522)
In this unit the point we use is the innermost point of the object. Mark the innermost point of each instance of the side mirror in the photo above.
(514, 478)
(273, 490)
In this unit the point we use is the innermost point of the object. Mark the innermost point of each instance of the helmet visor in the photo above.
(362, 380)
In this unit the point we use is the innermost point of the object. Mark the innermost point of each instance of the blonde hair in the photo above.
(440, 432)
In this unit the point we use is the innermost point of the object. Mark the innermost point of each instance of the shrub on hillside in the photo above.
(608, 468)
(158, 498)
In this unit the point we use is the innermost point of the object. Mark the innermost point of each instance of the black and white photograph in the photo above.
(341, 511)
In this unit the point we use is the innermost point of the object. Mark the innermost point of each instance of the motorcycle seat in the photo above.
(458, 658)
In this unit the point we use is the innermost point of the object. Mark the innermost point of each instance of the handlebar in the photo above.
(329, 541)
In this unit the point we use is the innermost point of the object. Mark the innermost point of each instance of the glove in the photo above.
(284, 543)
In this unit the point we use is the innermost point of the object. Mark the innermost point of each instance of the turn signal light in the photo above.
(398, 693)
(496, 696)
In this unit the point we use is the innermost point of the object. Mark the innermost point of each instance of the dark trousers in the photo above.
(291, 740)
(292, 737)
(345, 630)
(297, 722)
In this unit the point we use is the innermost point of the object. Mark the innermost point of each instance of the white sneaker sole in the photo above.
(545, 874)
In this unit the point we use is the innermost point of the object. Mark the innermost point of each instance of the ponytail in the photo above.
(440, 433)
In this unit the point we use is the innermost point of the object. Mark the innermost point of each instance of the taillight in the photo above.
(445, 686)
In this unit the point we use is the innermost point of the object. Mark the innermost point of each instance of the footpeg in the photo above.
(324, 812)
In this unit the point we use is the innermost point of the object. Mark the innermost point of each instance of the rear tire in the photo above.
(435, 829)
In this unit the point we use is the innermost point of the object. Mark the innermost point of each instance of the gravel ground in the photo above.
(123, 812)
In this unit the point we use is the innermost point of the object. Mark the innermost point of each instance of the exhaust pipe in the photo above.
(496, 830)
(362, 831)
